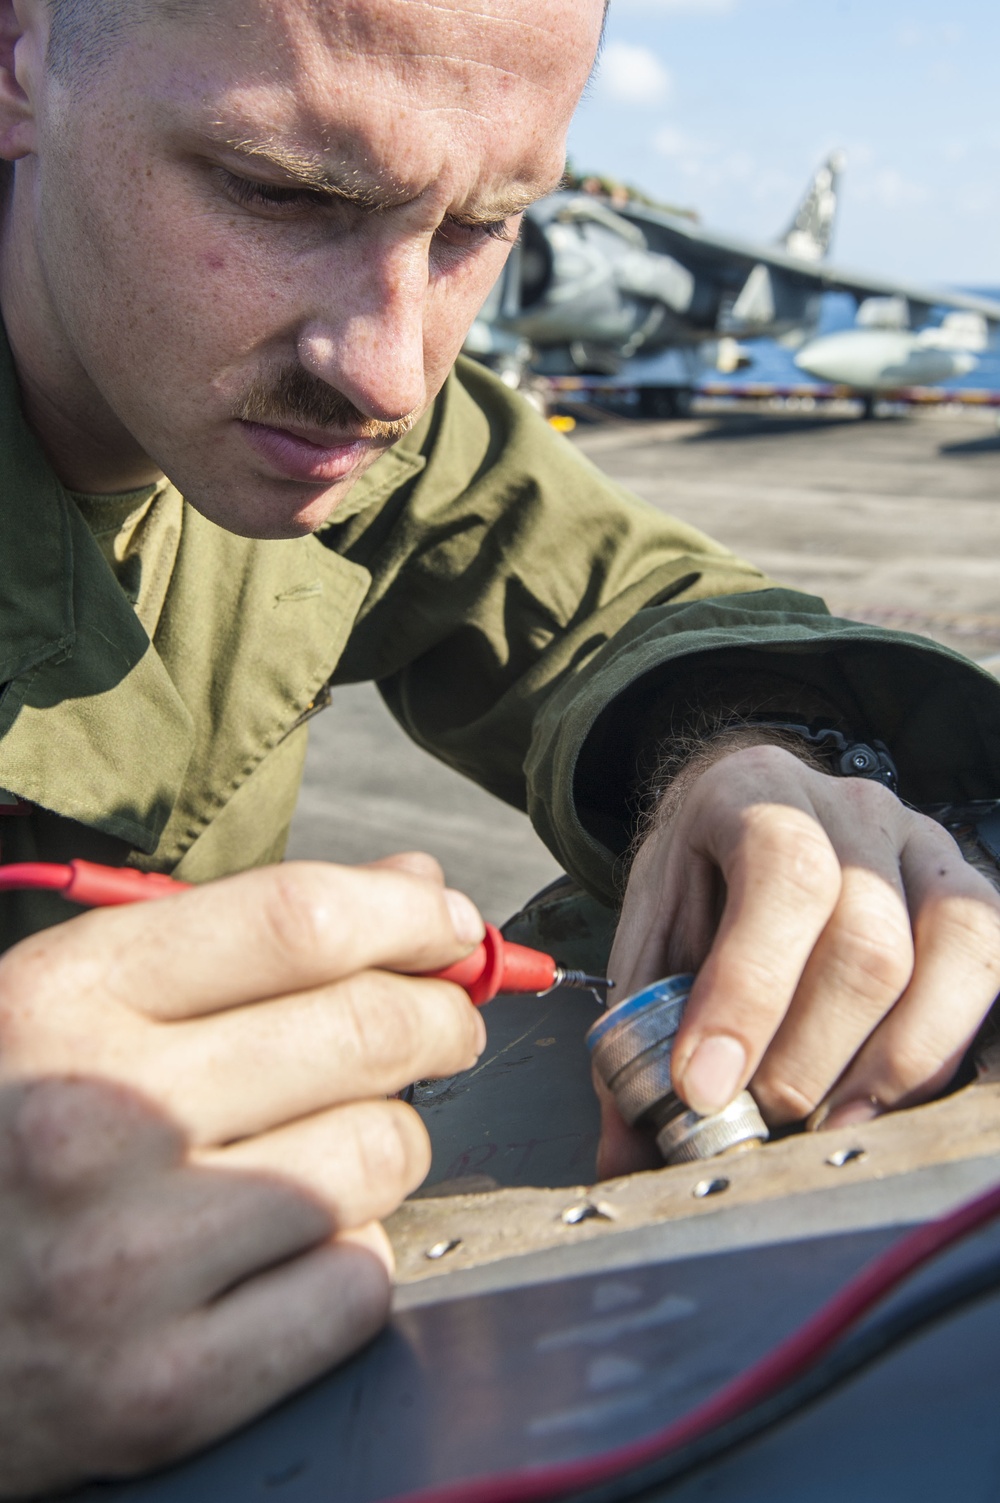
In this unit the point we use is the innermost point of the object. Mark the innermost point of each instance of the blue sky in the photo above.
(727, 105)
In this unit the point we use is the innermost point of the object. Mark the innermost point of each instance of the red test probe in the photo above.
(498, 965)
(494, 966)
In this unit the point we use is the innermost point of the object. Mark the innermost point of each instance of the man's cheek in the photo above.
(452, 310)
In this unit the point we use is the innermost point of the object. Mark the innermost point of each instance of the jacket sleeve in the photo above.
(530, 623)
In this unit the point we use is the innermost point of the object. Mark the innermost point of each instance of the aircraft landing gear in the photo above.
(664, 402)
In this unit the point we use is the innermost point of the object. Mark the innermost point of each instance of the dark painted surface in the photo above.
(567, 1369)
(920, 1427)
(527, 1113)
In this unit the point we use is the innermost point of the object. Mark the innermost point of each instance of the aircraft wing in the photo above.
(731, 260)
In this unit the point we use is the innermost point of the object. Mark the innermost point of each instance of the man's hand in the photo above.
(845, 951)
(195, 1149)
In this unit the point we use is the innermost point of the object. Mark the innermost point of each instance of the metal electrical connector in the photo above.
(632, 1047)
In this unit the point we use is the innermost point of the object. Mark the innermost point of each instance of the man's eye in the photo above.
(454, 232)
(268, 196)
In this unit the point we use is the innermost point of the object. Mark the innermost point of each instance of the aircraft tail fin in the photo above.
(811, 231)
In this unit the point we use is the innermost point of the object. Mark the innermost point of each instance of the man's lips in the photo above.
(307, 455)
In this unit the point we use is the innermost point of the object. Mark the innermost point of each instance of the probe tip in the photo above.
(585, 982)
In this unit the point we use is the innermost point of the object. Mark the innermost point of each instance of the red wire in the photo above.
(87, 883)
(35, 874)
(799, 1351)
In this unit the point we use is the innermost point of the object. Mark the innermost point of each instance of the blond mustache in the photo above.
(292, 397)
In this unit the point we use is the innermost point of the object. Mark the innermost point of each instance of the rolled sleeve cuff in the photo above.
(938, 712)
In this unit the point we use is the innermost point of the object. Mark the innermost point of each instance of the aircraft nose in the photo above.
(823, 359)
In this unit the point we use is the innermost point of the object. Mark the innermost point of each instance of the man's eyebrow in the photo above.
(353, 186)
(313, 172)
(505, 206)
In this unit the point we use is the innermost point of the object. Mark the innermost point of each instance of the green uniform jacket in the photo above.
(524, 618)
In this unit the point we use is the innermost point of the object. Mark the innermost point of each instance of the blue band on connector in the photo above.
(670, 989)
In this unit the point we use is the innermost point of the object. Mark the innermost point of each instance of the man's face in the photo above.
(263, 234)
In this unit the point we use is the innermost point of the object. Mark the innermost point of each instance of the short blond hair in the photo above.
(83, 34)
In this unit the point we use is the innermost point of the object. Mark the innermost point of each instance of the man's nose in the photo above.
(366, 338)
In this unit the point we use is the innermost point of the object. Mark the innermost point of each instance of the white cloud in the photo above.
(948, 35)
(711, 164)
(859, 154)
(670, 142)
(894, 190)
(688, 155)
(633, 75)
(889, 188)
(977, 200)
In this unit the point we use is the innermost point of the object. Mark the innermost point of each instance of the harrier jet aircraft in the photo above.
(591, 286)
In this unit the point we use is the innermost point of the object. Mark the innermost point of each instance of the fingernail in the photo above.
(479, 1027)
(465, 918)
(714, 1074)
(851, 1114)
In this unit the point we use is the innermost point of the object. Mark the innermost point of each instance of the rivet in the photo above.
(841, 1156)
(442, 1249)
(706, 1187)
(588, 1211)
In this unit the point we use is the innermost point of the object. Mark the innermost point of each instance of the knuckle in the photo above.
(77, 1284)
(100, 1268)
(299, 914)
(394, 1149)
(873, 950)
(416, 863)
(761, 759)
(755, 1002)
(382, 1022)
(66, 1135)
(933, 830)
(52, 1137)
(972, 924)
(457, 1038)
(402, 1026)
(917, 1068)
(147, 1409)
(793, 844)
(27, 976)
(784, 1100)
(870, 797)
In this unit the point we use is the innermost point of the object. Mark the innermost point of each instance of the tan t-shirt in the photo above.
(124, 526)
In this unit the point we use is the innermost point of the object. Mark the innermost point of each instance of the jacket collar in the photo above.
(36, 581)
(91, 726)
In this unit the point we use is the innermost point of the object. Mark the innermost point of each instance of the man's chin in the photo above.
(276, 512)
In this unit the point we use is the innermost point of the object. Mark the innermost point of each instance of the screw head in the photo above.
(706, 1187)
(841, 1156)
(442, 1249)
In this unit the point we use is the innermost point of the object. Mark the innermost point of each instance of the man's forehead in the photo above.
(548, 40)
(408, 24)
(546, 37)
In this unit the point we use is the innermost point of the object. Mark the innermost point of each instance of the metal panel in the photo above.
(569, 1368)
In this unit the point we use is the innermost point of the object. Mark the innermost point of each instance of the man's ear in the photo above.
(23, 39)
